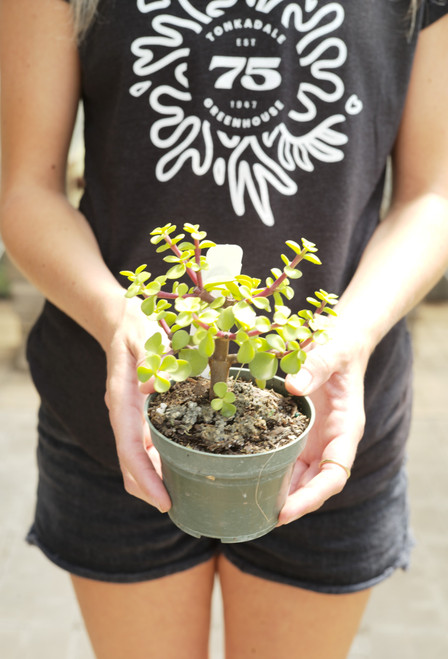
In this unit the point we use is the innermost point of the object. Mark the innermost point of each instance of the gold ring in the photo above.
(346, 469)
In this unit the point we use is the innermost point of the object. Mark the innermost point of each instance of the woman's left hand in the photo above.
(334, 380)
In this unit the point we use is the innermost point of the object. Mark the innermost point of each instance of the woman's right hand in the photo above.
(139, 460)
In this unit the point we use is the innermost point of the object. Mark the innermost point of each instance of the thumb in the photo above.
(316, 371)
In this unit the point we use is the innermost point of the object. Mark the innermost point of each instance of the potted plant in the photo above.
(228, 442)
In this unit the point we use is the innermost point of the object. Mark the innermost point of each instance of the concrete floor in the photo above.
(407, 616)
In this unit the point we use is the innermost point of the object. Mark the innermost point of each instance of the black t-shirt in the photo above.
(262, 121)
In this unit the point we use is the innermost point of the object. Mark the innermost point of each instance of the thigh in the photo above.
(168, 618)
(268, 619)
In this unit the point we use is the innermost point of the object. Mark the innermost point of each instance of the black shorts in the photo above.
(87, 524)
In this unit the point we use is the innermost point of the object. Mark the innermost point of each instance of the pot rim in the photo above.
(241, 456)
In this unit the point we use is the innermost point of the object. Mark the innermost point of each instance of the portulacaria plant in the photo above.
(198, 321)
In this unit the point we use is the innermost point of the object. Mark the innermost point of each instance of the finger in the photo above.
(142, 476)
(316, 371)
(139, 473)
(328, 482)
(126, 417)
(147, 387)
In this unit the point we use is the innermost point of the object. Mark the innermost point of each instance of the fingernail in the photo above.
(302, 379)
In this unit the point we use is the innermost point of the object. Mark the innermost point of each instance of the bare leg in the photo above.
(168, 618)
(266, 619)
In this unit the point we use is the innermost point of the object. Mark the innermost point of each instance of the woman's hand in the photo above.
(139, 460)
(333, 377)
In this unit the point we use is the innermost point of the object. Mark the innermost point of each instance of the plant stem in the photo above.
(164, 325)
(270, 289)
(178, 253)
(219, 364)
(197, 257)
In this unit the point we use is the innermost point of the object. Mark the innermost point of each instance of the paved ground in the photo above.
(407, 616)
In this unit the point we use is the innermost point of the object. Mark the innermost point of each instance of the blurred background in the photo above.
(407, 616)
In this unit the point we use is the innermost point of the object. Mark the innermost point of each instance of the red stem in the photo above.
(164, 325)
(178, 253)
(270, 289)
(197, 256)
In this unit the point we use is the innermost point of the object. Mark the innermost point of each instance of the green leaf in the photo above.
(155, 343)
(294, 246)
(141, 268)
(152, 362)
(300, 333)
(197, 361)
(161, 384)
(149, 305)
(291, 363)
(246, 353)
(320, 337)
(261, 384)
(152, 288)
(311, 247)
(276, 272)
(280, 318)
(244, 314)
(180, 339)
(313, 259)
(306, 314)
(241, 336)
(144, 373)
(263, 324)
(264, 366)
(207, 346)
(226, 319)
(217, 404)
(190, 304)
(186, 245)
(209, 316)
(182, 372)
(233, 290)
(176, 271)
(229, 397)
(170, 318)
(184, 318)
(313, 301)
(276, 342)
(292, 273)
(218, 302)
(163, 248)
(169, 363)
(133, 290)
(278, 300)
(288, 292)
(220, 389)
(261, 303)
(228, 409)
(181, 288)
(262, 344)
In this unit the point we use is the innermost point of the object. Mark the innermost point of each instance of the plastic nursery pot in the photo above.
(231, 497)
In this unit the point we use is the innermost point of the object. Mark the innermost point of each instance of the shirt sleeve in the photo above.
(433, 10)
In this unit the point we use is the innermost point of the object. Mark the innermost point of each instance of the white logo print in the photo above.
(244, 91)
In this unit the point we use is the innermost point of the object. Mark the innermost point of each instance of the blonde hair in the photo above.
(84, 13)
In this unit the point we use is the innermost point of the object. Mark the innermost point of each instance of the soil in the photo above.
(264, 419)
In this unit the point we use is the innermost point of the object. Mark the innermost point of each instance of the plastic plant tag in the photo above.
(224, 263)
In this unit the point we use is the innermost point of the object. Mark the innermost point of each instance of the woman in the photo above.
(262, 121)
